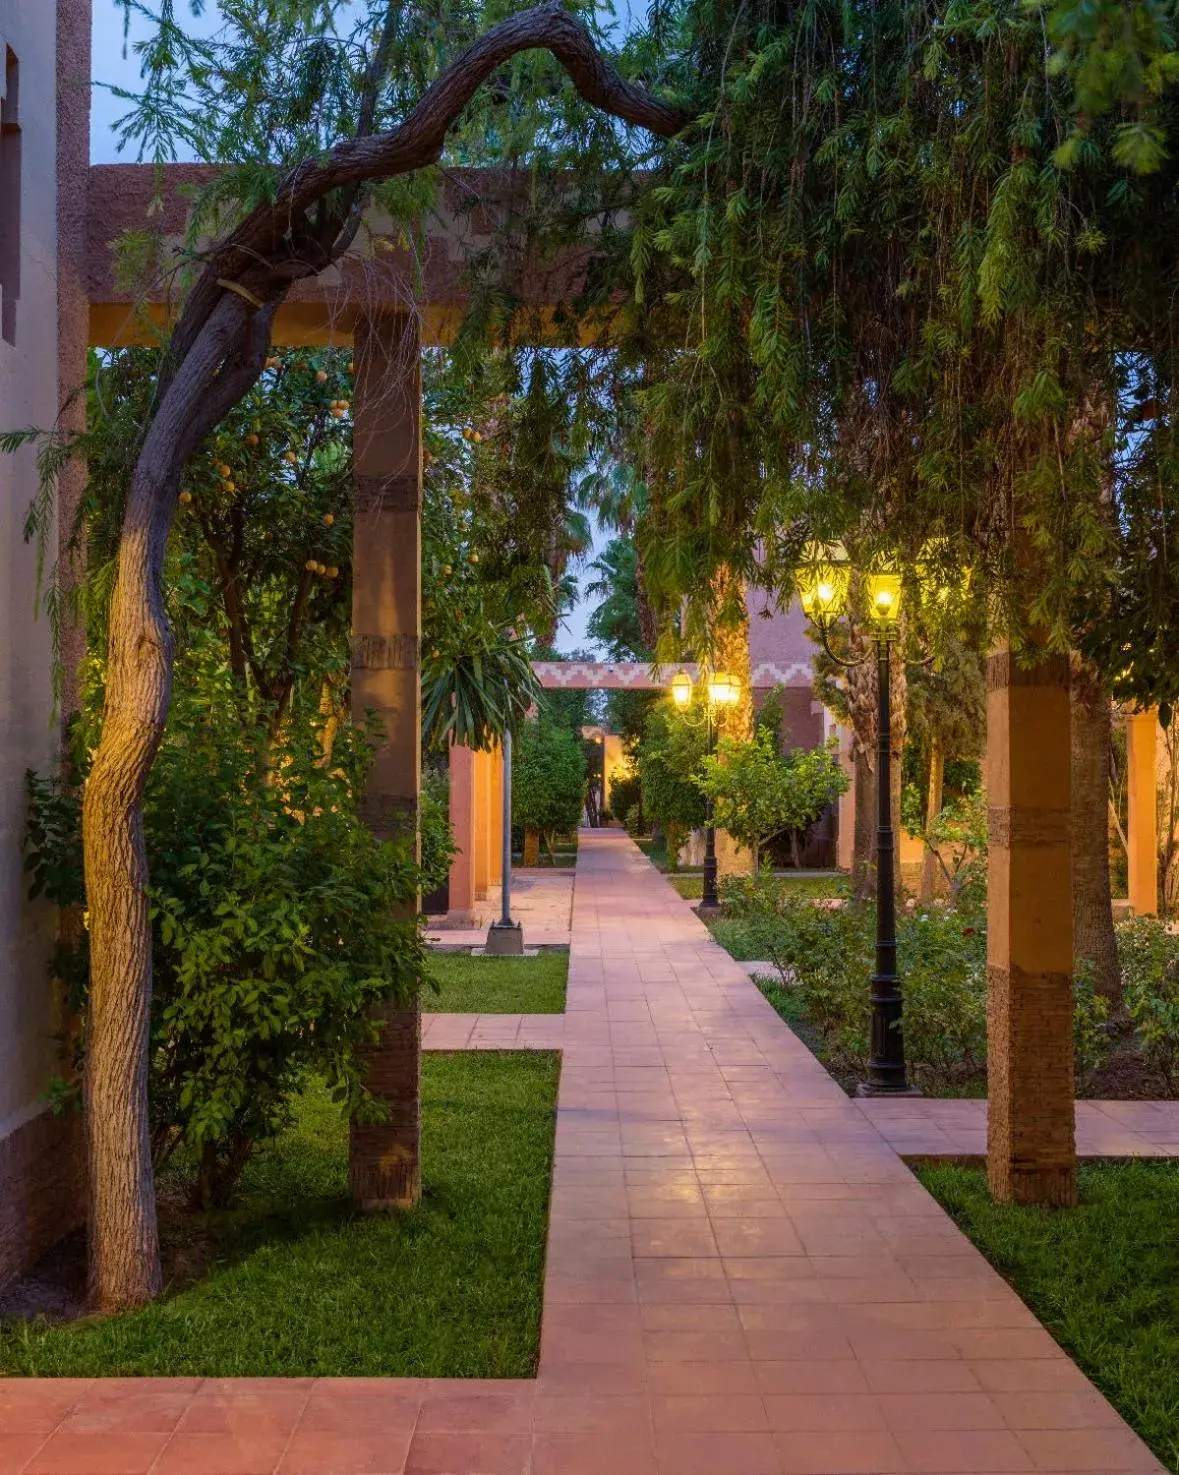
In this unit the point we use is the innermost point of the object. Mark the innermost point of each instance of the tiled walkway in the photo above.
(743, 1278)
(542, 900)
(934, 1128)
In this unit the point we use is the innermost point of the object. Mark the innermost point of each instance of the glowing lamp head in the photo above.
(681, 689)
(822, 580)
(724, 690)
(884, 598)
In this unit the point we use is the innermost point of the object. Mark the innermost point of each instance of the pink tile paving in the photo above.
(933, 1128)
(743, 1277)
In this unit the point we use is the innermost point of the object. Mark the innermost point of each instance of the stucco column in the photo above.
(385, 1157)
(1031, 1153)
(482, 841)
(496, 817)
(1142, 839)
(461, 902)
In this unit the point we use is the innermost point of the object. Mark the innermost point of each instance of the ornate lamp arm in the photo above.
(823, 626)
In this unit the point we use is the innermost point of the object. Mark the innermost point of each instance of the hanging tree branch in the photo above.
(215, 355)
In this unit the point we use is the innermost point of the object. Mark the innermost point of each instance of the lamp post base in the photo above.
(869, 1088)
(505, 940)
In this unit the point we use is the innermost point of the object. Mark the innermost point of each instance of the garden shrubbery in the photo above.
(278, 920)
(824, 955)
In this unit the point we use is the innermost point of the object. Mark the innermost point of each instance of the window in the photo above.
(9, 195)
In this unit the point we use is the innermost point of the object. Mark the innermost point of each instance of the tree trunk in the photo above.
(1094, 938)
(933, 807)
(731, 655)
(864, 840)
(213, 358)
(531, 847)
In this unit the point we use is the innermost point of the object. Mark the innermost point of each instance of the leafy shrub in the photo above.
(827, 954)
(668, 755)
(626, 797)
(1091, 1040)
(548, 780)
(278, 921)
(437, 838)
(1149, 957)
(759, 793)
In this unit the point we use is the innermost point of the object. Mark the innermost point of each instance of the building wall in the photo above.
(39, 1180)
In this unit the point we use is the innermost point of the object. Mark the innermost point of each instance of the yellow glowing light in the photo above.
(681, 689)
(822, 580)
(884, 597)
(724, 690)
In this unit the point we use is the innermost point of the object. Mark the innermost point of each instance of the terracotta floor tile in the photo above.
(801, 1413)
(793, 1379)
(836, 1453)
(225, 1454)
(716, 1454)
(695, 1347)
(392, 1415)
(16, 1450)
(592, 1454)
(269, 1411)
(573, 1413)
(713, 1413)
(963, 1452)
(938, 1411)
(1063, 1409)
(702, 1379)
(114, 1453)
(1075, 1450)
(130, 1411)
(914, 1376)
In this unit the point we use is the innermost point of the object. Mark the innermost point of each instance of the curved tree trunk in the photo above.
(213, 358)
(1095, 940)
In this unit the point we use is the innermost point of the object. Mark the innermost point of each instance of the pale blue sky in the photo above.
(115, 63)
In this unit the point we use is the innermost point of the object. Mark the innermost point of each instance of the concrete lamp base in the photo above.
(505, 940)
(866, 1088)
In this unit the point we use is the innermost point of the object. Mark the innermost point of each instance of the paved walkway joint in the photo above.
(743, 1276)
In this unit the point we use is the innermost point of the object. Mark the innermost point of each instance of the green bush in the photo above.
(826, 955)
(759, 793)
(548, 779)
(1149, 958)
(626, 797)
(278, 921)
(437, 838)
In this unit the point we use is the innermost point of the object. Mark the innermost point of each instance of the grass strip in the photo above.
(293, 1283)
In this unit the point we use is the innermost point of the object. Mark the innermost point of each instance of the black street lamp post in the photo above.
(823, 585)
(721, 690)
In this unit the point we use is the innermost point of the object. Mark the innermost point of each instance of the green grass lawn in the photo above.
(469, 985)
(1104, 1278)
(690, 885)
(295, 1284)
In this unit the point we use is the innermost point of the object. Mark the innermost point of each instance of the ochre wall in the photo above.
(39, 1157)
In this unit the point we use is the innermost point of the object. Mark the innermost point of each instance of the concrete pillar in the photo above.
(1031, 1152)
(461, 903)
(1142, 829)
(481, 848)
(385, 1157)
(496, 840)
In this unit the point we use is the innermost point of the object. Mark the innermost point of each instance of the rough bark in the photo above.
(933, 807)
(531, 855)
(213, 358)
(1095, 941)
(731, 654)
